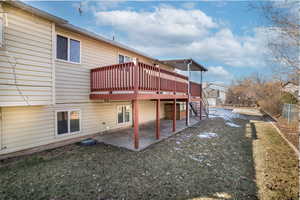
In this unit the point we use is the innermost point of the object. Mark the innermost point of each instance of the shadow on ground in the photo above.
(184, 166)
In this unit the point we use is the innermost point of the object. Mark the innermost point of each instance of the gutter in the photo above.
(38, 12)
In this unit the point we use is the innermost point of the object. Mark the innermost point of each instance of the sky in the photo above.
(227, 37)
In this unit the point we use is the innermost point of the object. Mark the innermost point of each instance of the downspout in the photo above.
(189, 91)
(1, 130)
(53, 62)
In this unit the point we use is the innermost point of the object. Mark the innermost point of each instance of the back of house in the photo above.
(45, 80)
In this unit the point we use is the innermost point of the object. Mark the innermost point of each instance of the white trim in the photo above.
(68, 133)
(124, 55)
(69, 46)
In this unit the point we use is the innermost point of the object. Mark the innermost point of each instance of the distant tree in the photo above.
(255, 91)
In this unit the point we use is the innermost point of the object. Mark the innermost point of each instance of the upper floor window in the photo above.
(124, 59)
(67, 49)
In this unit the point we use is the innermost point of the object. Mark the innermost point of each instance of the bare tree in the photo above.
(283, 27)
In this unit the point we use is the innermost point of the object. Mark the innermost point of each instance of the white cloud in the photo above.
(95, 6)
(166, 24)
(175, 32)
(219, 72)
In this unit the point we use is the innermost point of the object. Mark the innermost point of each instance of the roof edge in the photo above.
(36, 11)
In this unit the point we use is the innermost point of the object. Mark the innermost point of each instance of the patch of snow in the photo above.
(177, 149)
(207, 135)
(232, 124)
(197, 158)
(177, 142)
(226, 114)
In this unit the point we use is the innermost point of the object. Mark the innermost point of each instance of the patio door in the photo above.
(124, 113)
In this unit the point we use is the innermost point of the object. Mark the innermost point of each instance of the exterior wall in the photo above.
(27, 105)
(26, 59)
(212, 101)
(31, 126)
(291, 88)
(73, 80)
(148, 111)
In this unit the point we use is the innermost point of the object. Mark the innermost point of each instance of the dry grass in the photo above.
(290, 130)
(181, 167)
(276, 165)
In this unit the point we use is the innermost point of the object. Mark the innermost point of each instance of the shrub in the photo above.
(288, 98)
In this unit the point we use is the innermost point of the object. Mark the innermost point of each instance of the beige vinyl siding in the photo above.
(25, 62)
(147, 111)
(73, 80)
(30, 126)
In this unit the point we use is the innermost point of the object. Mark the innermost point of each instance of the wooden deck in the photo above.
(134, 81)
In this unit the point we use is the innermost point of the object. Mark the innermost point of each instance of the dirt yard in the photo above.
(212, 160)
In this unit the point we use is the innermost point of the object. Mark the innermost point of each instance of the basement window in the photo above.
(123, 114)
(67, 49)
(68, 122)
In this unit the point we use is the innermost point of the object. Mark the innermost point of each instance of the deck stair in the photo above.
(195, 108)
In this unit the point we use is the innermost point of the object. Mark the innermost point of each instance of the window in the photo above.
(74, 51)
(62, 47)
(67, 49)
(124, 59)
(68, 122)
(123, 114)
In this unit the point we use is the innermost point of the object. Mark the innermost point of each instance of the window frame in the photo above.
(124, 55)
(130, 114)
(69, 46)
(69, 123)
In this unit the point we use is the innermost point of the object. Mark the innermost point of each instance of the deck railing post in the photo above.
(136, 76)
(158, 82)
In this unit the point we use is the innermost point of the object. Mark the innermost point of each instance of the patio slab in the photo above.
(124, 137)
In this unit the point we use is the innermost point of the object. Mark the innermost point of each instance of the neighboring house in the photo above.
(290, 87)
(215, 93)
(60, 82)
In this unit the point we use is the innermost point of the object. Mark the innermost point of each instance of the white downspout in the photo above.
(189, 95)
(53, 62)
(1, 130)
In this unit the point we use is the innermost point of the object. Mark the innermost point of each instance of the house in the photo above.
(62, 83)
(215, 93)
(291, 87)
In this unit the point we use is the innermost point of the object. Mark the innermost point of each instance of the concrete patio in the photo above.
(124, 137)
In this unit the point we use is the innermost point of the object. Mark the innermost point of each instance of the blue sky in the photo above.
(226, 37)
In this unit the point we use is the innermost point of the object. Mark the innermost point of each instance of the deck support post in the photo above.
(174, 115)
(200, 105)
(189, 93)
(135, 123)
(135, 105)
(187, 112)
(200, 111)
(158, 119)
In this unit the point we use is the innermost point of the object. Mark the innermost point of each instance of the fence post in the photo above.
(289, 113)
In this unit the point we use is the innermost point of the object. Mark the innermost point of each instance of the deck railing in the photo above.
(195, 89)
(123, 77)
